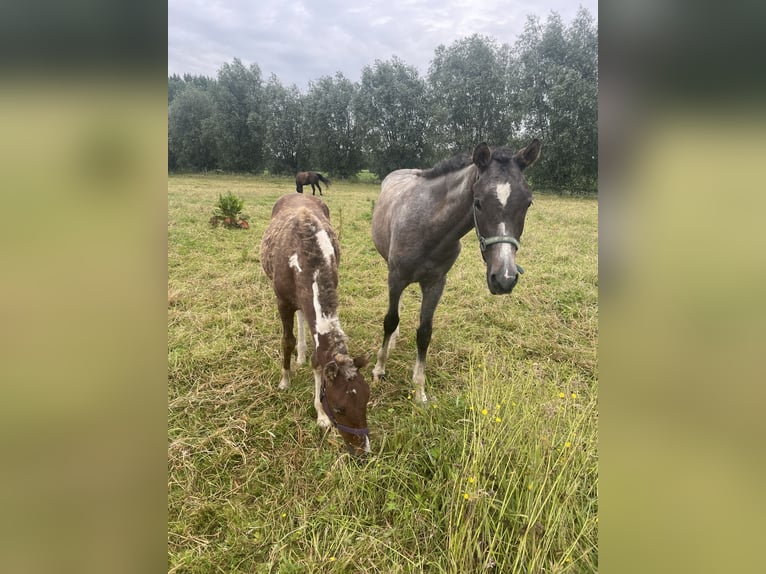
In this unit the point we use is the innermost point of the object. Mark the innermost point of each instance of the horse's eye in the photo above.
(477, 203)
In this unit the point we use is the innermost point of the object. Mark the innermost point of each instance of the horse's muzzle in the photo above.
(501, 282)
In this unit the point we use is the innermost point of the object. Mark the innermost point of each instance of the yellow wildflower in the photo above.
(567, 444)
(467, 496)
(484, 411)
(574, 395)
(561, 395)
(498, 419)
(471, 479)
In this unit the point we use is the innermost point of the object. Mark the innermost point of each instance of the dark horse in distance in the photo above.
(420, 217)
(300, 255)
(310, 178)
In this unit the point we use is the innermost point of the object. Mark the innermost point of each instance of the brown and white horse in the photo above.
(300, 255)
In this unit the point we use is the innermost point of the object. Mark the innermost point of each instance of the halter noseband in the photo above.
(328, 411)
(485, 242)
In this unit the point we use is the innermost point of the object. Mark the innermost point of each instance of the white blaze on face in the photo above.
(503, 192)
(293, 262)
(325, 245)
(504, 250)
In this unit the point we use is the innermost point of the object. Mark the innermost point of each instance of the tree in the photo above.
(555, 78)
(469, 94)
(190, 145)
(284, 121)
(238, 123)
(391, 110)
(334, 139)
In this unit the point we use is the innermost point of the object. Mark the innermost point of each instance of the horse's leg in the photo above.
(320, 188)
(432, 292)
(298, 187)
(390, 325)
(322, 420)
(288, 343)
(313, 190)
(301, 338)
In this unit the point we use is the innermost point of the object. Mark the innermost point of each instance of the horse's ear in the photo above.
(361, 362)
(482, 155)
(331, 371)
(528, 155)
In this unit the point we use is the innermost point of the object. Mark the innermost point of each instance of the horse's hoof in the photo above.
(376, 378)
(324, 423)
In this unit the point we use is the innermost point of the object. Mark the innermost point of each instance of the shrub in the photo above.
(229, 212)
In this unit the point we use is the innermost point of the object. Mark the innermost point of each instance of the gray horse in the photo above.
(420, 217)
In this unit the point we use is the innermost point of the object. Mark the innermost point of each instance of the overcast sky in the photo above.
(304, 40)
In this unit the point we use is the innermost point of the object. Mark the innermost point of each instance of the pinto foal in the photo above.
(300, 255)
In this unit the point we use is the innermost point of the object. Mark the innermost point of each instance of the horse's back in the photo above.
(396, 190)
(299, 236)
(295, 201)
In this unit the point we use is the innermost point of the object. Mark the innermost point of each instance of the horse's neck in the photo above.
(458, 199)
(319, 303)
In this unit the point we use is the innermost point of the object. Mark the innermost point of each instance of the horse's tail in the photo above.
(323, 179)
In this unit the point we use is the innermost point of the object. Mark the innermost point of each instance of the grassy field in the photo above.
(499, 473)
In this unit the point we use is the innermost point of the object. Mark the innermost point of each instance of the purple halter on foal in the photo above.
(328, 411)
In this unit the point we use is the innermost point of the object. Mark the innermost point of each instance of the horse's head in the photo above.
(344, 398)
(501, 198)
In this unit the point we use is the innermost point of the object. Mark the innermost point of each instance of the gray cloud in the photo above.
(301, 41)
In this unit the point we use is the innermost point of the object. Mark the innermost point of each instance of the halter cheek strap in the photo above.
(335, 423)
(485, 242)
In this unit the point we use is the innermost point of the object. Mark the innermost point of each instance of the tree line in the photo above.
(545, 86)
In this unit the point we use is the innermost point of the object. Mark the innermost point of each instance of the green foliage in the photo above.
(333, 131)
(285, 131)
(229, 210)
(391, 109)
(254, 486)
(545, 85)
(469, 94)
(556, 79)
(237, 125)
(189, 134)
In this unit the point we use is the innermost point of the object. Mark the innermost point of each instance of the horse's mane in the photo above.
(463, 160)
(449, 165)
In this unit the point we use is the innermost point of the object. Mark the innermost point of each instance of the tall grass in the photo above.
(497, 474)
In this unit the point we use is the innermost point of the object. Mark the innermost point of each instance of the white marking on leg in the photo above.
(292, 261)
(366, 443)
(284, 383)
(503, 191)
(380, 365)
(300, 317)
(392, 340)
(419, 380)
(322, 419)
(325, 245)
